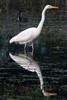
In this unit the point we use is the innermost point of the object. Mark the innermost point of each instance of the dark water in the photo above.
(25, 75)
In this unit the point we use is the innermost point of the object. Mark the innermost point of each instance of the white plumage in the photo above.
(30, 34)
(24, 36)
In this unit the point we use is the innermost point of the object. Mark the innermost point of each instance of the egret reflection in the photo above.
(29, 64)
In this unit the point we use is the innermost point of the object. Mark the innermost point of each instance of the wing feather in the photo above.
(25, 35)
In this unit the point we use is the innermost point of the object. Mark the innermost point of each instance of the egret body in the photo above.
(30, 34)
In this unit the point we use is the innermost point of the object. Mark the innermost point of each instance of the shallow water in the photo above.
(27, 75)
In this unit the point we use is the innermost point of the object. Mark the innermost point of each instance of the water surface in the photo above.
(26, 76)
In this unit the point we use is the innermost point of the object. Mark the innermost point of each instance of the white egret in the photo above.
(30, 34)
(29, 64)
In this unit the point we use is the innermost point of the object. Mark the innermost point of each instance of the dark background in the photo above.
(50, 49)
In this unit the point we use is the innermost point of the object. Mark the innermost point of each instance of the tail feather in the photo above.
(11, 41)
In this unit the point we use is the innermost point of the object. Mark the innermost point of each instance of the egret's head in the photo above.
(50, 7)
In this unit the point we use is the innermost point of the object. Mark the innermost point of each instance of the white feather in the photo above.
(30, 34)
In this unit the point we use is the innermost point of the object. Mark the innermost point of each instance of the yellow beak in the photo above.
(54, 7)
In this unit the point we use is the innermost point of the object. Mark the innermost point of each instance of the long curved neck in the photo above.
(42, 21)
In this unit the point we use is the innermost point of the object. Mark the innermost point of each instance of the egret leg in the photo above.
(25, 47)
(31, 44)
(32, 47)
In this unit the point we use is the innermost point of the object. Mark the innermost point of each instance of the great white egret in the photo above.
(29, 64)
(30, 34)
